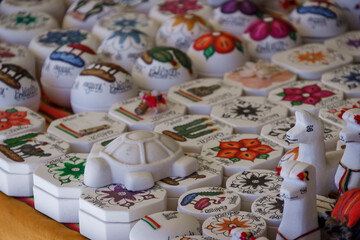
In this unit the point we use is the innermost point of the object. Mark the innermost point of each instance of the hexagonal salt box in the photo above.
(309, 61)
(57, 187)
(82, 130)
(210, 173)
(348, 43)
(114, 210)
(220, 226)
(206, 202)
(165, 225)
(201, 95)
(193, 131)
(126, 112)
(19, 157)
(276, 132)
(239, 152)
(305, 95)
(248, 114)
(18, 119)
(252, 184)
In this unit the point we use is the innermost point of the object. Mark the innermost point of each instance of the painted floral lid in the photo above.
(270, 207)
(348, 42)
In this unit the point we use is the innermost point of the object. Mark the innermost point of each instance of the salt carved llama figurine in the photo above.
(300, 218)
(348, 172)
(309, 133)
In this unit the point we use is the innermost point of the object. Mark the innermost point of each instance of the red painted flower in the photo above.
(311, 94)
(220, 42)
(179, 6)
(15, 118)
(273, 26)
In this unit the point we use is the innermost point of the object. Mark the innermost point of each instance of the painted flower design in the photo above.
(12, 117)
(220, 42)
(312, 57)
(270, 26)
(62, 38)
(124, 23)
(179, 6)
(224, 225)
(245, 149)
(310, 94)
(70, 170)
(245, 7)
(352, 77)
(6, 53)
(353, 43)
(128, 37)
(189, 20)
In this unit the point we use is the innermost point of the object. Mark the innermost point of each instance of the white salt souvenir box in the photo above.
(57, 187)
(21, 27)
(276, 132)
(305, 95)
(201, 95)
(209, 174)
(114, 210)
(206, 202)
(220, 225)
(253, 184)
(165, 225)
(19, 157)
(240, 152)
(103, 80)
(82, 130)
(309, 61)
(17, 119)
(193, 131)
(126, 112)
(248, 114)
(348, 43)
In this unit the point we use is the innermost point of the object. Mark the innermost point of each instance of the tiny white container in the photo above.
(348, 43)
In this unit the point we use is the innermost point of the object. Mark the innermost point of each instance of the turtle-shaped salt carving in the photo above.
(137, 159)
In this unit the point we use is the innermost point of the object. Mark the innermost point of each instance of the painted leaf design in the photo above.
(234, 160)
(10, 110)
(293, 36)
(263, 156)
(183, 59)
(296, 103)
(239, 46)
(161, 55)
(281, 94)
(209, 52)
(216, 149)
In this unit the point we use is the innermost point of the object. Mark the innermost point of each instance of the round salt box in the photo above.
(318, 20)
(165, 9)
(269, 35)
(18, 87)
(125, 46)
(351, 12)
(239, 152)
(220, 226)
(165, 225)
(17, 119)
(216, 53)
(54, 8)
(19, 157)
(106, 81)
(82, 130)
(201, 95)
(133, 20)
(206, 202)
(114, 210)
(181, 30)
(209, 174)
(84, 14)
(45, 43)
(62, 67)
(161, 68)
(57, 187)
(234, 16)
(252, 184)
(193, 131)
(21, 27)
(348, 43)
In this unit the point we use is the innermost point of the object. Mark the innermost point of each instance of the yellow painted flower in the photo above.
(188, 19)
(312, 57)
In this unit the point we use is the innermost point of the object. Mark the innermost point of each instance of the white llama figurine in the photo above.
(347, 176)
(309, 133)
(300, 218)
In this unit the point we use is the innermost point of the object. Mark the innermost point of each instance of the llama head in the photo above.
(298, 178)
(308, 128)
(351, 133)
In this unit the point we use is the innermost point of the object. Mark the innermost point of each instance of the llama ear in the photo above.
(301, 116)
(303, 176)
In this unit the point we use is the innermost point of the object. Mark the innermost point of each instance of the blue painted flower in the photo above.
(126, 23)
(62, 38)
(352, 80)
(133, 34)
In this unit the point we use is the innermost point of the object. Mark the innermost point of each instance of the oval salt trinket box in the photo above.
(165, 225)
(348, 43)
(114, 210)
(216, 53)
(248, 114)
(239, 152)
(82, 130)
(57, 187)
(17, 119)
(19, 157)
(201, 95)
(193, 131)
(106, 81)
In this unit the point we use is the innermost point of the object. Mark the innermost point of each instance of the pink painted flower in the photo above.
(179, 6)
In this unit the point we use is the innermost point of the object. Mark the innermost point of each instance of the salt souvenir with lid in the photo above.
(348, 43)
